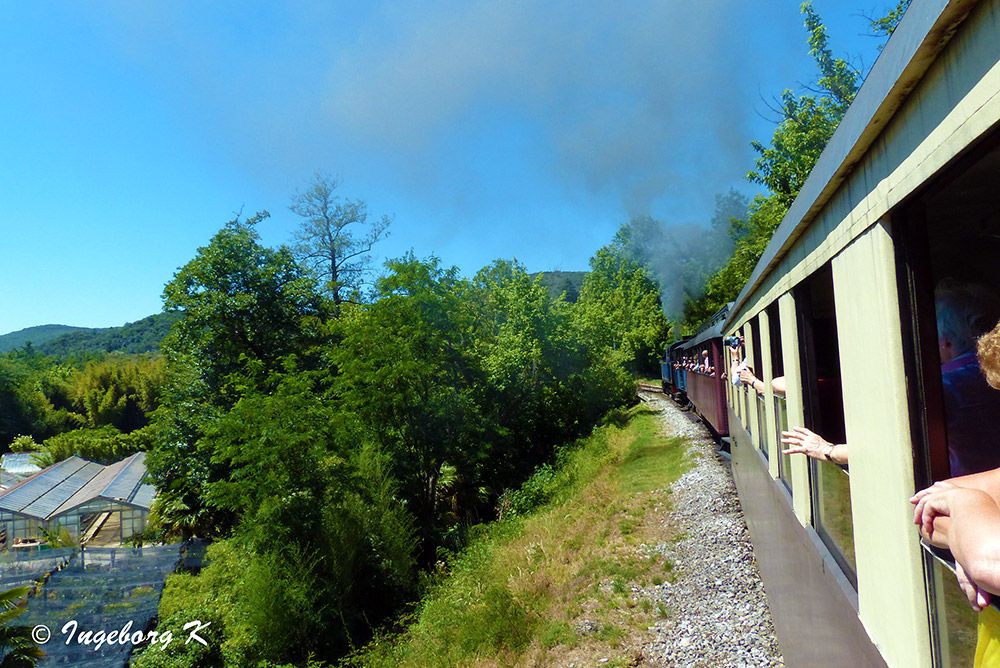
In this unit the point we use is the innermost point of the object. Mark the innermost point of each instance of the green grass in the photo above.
(514, 595)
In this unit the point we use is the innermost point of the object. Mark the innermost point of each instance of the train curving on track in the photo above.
(842, 309)
(694, 373)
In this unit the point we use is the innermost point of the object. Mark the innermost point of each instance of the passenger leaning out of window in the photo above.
(800, 440)
(739, 362)
(706, 363)
(747, 377)
(963, 515)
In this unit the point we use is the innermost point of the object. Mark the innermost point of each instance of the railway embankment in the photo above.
(636, 555)
(718, 614)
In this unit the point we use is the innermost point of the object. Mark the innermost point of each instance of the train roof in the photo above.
(921, 35)
(677, 344)
(711, 328)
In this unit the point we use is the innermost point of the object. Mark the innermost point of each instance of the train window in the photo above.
(824, 413)
(951, 241)
(960, 629)
(744, 390)
(760, 432)
(948, 240)
(780, 408)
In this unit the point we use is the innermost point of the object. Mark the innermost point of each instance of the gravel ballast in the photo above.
(718, 614)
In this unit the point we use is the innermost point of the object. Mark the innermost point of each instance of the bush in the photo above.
(104, 445)
(536, 491)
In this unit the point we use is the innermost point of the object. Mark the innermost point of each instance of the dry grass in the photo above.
(557, 586)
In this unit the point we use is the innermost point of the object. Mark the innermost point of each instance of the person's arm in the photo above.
(987, 481)
(778, 385)
(972, 535)
(747, 376)
(805, 442)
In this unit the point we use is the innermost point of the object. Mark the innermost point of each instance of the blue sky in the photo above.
(486, 128)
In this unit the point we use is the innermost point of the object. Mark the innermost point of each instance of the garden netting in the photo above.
(102, 590)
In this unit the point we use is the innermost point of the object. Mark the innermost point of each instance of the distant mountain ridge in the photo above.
(37, 335)
(141, 336)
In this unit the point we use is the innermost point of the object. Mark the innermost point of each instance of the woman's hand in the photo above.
(802, 441)
(978, 598)
(930, 503)
(966, 521)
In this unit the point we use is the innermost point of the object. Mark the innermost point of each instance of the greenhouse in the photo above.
(15, 467)
(80, 496)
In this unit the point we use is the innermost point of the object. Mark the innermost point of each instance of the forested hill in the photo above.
(142, 336)
(36, 335)
(558, 282)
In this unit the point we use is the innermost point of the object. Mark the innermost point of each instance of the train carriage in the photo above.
(705, 392)
(842, 306)
(671, 373)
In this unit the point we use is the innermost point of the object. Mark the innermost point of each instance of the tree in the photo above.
(807, 121)
(325, 242)
(520, 343)
(886, 25)
(406, 372)
(17, 649)
(318, 516)
(620, 309)
(120, 391)
(245, 307)
(24, 406)
(247, 310)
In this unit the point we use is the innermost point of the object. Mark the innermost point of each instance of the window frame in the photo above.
(814, 416)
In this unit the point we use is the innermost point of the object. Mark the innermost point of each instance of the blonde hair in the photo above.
(988, 351)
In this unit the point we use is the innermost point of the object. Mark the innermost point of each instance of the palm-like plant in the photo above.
(17, 647)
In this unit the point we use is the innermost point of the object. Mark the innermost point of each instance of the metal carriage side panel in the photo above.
(703, 391)
(811, 603)
(878, 432)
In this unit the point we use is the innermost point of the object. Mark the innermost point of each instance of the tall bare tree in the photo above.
(335, 237)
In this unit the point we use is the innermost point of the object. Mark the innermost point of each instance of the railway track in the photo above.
(649, 387)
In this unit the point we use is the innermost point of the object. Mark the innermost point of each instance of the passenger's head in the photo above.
(964, 311)
(988, 351)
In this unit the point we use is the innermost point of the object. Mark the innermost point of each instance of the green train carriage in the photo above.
(841, 304)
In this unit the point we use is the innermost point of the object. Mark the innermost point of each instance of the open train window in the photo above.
(950, 244)
(743, 389)
(760, 431)
(780, 408)
(823, 404)
(947, 240)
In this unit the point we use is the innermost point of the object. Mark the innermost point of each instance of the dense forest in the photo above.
(339, 438)
(337, 441)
